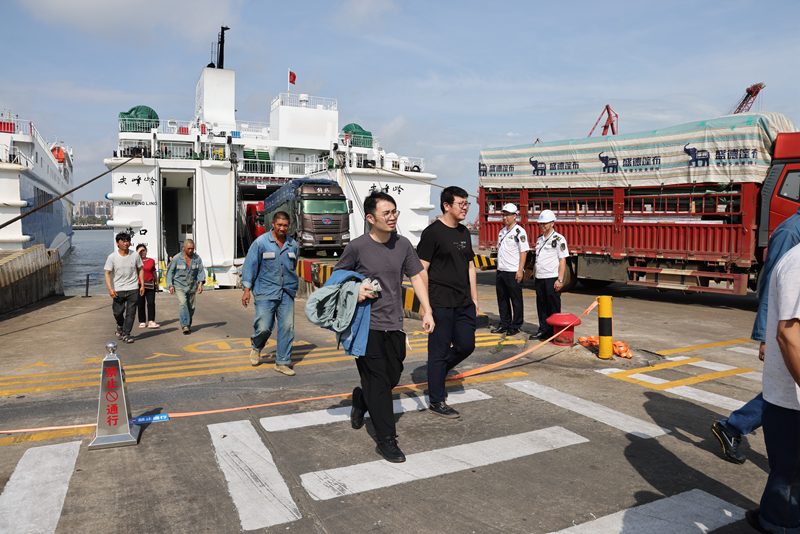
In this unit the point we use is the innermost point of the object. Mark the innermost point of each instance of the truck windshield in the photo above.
(324, 206)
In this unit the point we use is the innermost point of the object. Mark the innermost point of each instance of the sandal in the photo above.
(142, 325)
(119, 332)
(126, 339)
(153, 324)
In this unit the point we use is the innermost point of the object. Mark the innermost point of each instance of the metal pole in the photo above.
(87, 285)
(605, 328)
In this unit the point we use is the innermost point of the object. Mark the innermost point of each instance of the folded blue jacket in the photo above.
(335, 306)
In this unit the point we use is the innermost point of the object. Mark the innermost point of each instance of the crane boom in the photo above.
(611, 122)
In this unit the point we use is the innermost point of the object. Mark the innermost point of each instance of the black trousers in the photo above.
(149, 297)
(380, 369)
(509, 297)
(548, 302)
(452, 340)
(124, 310)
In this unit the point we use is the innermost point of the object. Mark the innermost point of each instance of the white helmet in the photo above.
(546, 216)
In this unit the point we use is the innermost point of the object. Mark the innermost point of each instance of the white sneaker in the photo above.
(255, 357)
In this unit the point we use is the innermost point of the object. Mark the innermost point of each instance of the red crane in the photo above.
(612, 121)
(746, 102)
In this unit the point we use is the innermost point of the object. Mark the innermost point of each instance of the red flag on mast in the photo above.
(292, 77)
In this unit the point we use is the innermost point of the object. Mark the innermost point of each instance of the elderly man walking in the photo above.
(269, 274)
(185, 277)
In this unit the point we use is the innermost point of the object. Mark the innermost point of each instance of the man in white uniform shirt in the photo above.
(551, 262)
(780, 511)
(512, 247)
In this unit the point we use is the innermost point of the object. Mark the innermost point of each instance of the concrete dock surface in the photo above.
(554, 441)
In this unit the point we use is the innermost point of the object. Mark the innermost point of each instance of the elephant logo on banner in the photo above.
(539, 169)
(610, 165)
(699, 157)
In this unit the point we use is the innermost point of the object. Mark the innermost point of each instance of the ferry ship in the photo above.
(32, 172)
(195, 178)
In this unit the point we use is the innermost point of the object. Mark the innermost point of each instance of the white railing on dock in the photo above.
(311, 102)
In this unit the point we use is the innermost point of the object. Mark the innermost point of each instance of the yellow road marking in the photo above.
(132, 370)
(41, 436)
(665, 365)
(706, 346)
(158, 354)
(701, 378)
(39, 364)
(626, 375)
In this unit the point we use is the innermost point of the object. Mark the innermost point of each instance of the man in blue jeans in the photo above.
(269, 273)
(748, 418)
(184, 278)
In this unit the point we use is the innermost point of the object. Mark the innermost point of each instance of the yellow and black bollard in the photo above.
(606, 328)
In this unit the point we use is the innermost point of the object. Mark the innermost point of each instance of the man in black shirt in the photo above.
(445, 249)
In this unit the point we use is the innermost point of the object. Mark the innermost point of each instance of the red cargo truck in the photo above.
(672, 209)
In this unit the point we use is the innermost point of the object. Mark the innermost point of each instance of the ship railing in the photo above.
(138, 125)
(405, 164)
(15, 126)
(12, 154)
(167, 150)
(312, 102)
(255, 130)
(361, 141)
(133, 148)
(281, 168)
(215, 152)
(172, 126)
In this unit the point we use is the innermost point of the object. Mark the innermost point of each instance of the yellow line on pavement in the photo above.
(666, 365)
(706, 346)
(41, 436)
(131, 374)
(700, 378)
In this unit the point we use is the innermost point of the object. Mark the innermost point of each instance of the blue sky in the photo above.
(438, 80)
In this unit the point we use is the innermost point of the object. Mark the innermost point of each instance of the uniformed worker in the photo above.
(551, 263)
(512, 248)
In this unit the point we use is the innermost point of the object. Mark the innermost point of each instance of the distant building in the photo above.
(102, 208)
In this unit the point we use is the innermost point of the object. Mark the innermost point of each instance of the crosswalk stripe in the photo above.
(744, 350)
(753, 375)
(34, 495)
(257, 489)
(598, 412)
(644, 377)
(342, 413)
(332, 483)
(707, 397)
(714, 366)
(686, 513)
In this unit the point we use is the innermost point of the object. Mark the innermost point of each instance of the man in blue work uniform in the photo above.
(748, 418)
(185, 277)
(269, 273)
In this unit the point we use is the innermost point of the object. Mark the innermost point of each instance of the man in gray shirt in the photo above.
(383, 256)
(125, 281)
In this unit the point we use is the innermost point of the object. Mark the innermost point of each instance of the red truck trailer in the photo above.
(672, 209)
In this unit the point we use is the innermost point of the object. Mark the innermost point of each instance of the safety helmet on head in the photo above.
(546, 216)
(510, 208)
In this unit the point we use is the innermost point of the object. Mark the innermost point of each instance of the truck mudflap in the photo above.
(689, 281)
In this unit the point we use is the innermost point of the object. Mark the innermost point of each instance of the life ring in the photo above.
(415, 168)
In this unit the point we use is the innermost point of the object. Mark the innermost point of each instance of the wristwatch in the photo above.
(560, 280)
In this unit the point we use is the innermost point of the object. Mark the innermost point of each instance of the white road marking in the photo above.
(608, 371)
(714, 366)
(644, 377)
(342, 413)
(692, 512)
(257, 489)
(323, 485)
(34, 495)
(707, 397)
(745, 350)
(753, 375)
(598, 412)
(677, 358)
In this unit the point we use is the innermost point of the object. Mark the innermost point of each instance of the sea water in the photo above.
(90, 248)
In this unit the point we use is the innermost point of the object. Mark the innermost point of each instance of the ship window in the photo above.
(40, 198)
(790, 188)
(324, 206)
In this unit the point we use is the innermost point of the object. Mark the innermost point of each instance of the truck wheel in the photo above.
(570, 280)
(590, 283)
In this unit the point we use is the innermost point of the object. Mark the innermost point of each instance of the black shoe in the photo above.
(498, 330)
(538, 336)
(730, 443)
(751, 516)
(512, 331)
(387, 447)
(441, 408)
(357, 412)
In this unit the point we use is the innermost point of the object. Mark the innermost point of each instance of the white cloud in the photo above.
(192, 21)
(512, 134)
